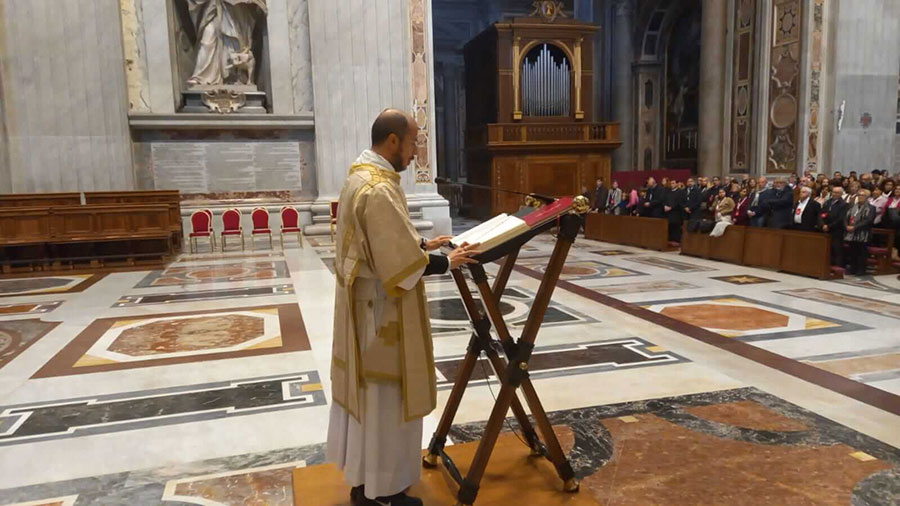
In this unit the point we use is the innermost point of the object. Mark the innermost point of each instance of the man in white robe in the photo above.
(383, 380)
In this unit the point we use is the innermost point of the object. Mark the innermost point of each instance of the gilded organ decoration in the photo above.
(742, 88)
(784, 88)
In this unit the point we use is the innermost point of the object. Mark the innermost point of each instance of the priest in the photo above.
(382, 366)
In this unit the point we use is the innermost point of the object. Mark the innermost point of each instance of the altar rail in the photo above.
(792, 251)
(650, 233)
(46, 238)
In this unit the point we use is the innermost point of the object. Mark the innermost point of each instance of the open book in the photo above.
(504, 227)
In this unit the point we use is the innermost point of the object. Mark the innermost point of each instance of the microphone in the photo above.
(543, 198)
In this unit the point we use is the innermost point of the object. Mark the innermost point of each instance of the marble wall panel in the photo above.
(64, 96)
(133, 43)
(866, 49)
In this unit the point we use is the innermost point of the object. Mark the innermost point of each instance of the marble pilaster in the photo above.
(622, 87)
(301, 64)
(712, 88)
(280, 57)
(160, 67)
(357, 73)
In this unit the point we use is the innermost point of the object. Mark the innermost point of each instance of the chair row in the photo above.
(202, 225)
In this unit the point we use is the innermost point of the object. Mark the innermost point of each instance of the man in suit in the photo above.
(780, 204)
(653, 207)
(693, 198)
(758, 199)
(833, 223)
(601, 196)
(806, 212)
(673, 206)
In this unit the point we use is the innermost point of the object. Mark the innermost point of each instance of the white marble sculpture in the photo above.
(224, 31)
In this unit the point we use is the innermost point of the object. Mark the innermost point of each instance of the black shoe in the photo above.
(400, 499)
(358, 496)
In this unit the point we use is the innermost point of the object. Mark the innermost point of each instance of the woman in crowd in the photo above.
(615, 197)
(751, 186)
(858, 224)
(891, 217)
(631, 208)
(878, 200)
(741, 206)
(724, 207)
(823, 194)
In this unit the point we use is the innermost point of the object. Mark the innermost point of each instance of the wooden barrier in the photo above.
(650, 233)
(96, 235)
(804, 253)
(39, 199)
(170, 197)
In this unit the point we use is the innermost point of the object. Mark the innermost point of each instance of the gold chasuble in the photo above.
(378, 264)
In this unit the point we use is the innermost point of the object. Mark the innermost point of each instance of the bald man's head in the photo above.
(394, 137)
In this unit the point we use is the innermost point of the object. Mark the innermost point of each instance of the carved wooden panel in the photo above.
(742, 88)
(784, 87)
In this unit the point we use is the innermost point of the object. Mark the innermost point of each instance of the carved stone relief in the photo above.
(742, 88)
(815, 76)
(784, 87)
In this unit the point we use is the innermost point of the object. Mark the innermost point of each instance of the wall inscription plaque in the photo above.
(202, 167)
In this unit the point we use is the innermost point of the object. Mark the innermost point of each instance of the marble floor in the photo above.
(207, 382)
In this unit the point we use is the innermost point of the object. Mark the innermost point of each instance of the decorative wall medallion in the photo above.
(865, 120)
(549, 10)
(784, 111)
(224, 101)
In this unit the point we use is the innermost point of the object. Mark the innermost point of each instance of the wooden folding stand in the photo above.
(513, 371)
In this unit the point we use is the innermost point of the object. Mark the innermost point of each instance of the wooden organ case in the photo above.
(529, 113)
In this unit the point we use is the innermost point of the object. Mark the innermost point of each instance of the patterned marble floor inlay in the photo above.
(747, 319)
(566, 360)
(611, 252)
(233, 293)
(50, 284)
(649, 286)
(864, 304)
(267, 485)
(68, 418)
(223, 273)
(763, 450)
(870, 282)
(448, 315)
(128, 342)
(582, 270)
(17, 335)
(21, 308)
(744, 279)
(670, 264)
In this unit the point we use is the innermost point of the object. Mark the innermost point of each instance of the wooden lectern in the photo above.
(512, 367)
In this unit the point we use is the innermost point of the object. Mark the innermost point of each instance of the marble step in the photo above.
(324, 218)
(325, 228)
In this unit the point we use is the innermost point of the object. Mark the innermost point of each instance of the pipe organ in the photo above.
(530, 123)
(546, 84)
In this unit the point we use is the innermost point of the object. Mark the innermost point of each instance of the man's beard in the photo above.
(397, 163)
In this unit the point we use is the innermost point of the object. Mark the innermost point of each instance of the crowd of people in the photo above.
(847, 207)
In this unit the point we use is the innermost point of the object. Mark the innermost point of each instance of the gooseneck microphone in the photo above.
(543, 198)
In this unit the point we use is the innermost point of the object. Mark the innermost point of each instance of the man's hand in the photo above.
(667, 208)
(462, 255)
(687, 210)
(824, 228)
(751, 214)
(646, 204)
(437, 242)
(850, 228)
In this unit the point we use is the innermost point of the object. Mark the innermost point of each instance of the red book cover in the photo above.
(549, 211)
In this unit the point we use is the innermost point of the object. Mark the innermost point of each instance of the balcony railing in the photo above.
(551, 133)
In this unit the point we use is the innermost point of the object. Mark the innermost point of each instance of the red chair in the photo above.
(260, 219)
(334, 215)
(290, 223)
(231, 225)
(201, 226)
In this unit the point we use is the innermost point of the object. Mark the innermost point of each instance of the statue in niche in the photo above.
(224, 39)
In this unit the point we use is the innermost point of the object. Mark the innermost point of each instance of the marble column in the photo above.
(710, 161)
(622, 85)
(359, 72)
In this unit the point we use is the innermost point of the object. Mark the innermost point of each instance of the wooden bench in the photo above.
(792, 251)
(650, 233)
(45, 238)
(881, 250)
(40, 199)
(172, 198)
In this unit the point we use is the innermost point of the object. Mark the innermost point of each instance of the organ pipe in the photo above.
(546, 84)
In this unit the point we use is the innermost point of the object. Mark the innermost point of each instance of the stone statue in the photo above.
(224, 30)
